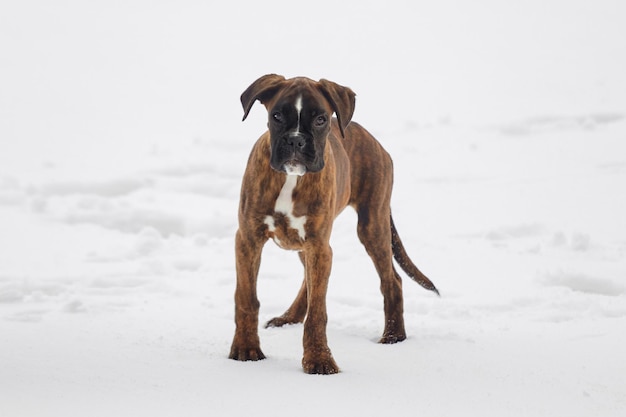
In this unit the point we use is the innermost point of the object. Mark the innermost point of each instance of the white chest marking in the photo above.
(284, 205)
(269, 221)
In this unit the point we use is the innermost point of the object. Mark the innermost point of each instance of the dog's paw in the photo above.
(281, 321)
(246, 354)
(276, 322)
(389, 339)
(394, 332)
(321, 366)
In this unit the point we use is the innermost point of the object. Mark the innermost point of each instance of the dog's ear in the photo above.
(262, 89)
(342, 100)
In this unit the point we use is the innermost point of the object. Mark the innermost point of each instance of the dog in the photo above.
(302, 172)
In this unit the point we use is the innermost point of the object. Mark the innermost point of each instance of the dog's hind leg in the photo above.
(374, 231)
(297, 311)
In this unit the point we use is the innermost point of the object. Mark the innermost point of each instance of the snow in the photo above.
(121, 155)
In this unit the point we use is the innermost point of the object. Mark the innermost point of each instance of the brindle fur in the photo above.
(357, 172)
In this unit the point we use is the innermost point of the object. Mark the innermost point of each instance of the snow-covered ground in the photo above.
(121, 153)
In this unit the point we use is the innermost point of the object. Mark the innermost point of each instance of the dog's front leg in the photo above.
(317, 357)
(246, 345)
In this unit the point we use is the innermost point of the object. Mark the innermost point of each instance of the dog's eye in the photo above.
(278, 117)
(320, 121)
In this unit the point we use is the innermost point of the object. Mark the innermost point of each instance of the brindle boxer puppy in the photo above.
(300, 175)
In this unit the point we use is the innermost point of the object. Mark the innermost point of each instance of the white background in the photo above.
(121, 154)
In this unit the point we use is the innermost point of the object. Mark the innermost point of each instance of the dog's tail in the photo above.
(400, 255)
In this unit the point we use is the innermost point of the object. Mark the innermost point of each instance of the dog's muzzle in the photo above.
(292, 154)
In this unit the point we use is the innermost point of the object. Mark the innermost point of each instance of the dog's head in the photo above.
(299, 118)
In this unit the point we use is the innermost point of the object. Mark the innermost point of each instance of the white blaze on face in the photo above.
(298, 106)
(294, 168)
(284, 205)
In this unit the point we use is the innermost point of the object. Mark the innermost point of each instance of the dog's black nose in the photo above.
(296, 141)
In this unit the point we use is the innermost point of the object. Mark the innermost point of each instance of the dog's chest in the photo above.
(283, 226)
